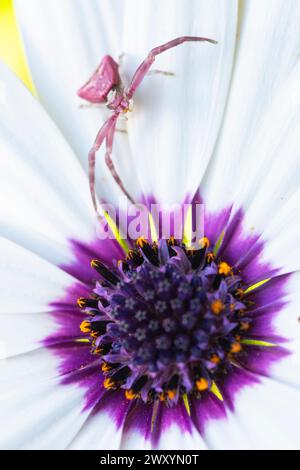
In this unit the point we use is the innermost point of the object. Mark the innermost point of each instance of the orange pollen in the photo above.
(108, 384)
(202, 384)
(215, 359)
(217, 306)
(130, 254)
(105, 367)
(141, 241)
(171, 240)
(171, 394)
(204, 242)
(210, 256)
(161, 396)
(244, 326)
(224, 268)
(85, 326)
(235, 347)
(130, 395)
(81, 302)
(240, 292)
(94, 263)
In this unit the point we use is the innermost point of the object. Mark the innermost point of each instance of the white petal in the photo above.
(274, 177)
(282, 235)
(267, 183)
(28, 285)
(38, 412)
(266, 416)
(267, 53)
(65, 42)
(30, 368)
(43, 188)
(176, 119)
(98, 432)
(227, 434)
(287, 321)
(43, 415)
(174, 438)
(134, 440)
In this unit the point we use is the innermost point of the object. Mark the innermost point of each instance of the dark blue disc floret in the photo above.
(167, 321)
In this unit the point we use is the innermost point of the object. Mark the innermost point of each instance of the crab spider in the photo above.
(105, 86)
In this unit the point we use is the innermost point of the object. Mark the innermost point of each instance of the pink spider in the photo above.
(105, 86)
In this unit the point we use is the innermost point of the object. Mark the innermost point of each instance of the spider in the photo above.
(105, 87)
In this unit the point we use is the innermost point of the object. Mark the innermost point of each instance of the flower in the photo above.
(214, 132)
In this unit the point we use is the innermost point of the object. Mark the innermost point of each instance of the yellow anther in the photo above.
(105, 367)
(85, 326)
(130, 254)
(171, 241)
(94, 263)
(224, 268)
(130, 395)
(210, 256)
(215, 359)
(141, 241)
(244, 326)
(235, 347)
(161, 396)
(81, 302)
(217, 306)
(202, 384)
(171, 394)
(240, 292)
(204, 242)
(108, 384)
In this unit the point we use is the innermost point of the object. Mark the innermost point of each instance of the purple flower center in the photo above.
(168, 322)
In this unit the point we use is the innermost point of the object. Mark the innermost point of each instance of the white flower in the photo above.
(226, 122)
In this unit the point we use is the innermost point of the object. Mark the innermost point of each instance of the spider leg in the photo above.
(111, 122)
(144, 67)
(108, 160)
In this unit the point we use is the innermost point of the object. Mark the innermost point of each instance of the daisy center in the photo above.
(168, 322)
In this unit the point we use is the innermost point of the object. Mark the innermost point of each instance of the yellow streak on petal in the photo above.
(216, 391)
(256, 285)
(187, 230)
(255, 342)
(116, 232)
(186, 403)
(218, 243)
(11, 46)
(153, 232)
(82, 340)
(154, 414)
